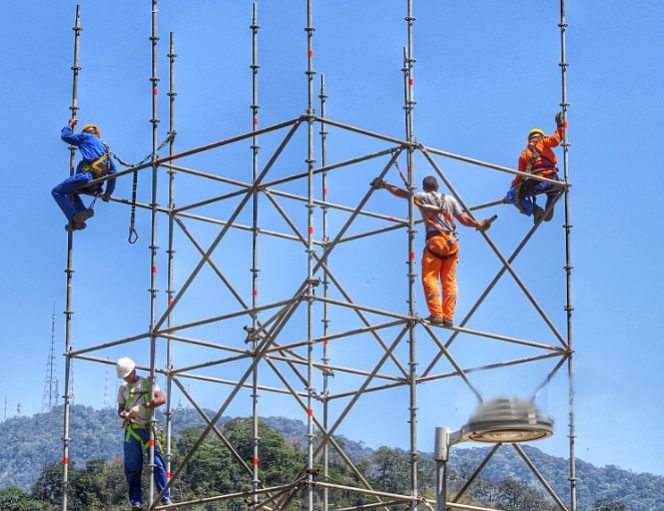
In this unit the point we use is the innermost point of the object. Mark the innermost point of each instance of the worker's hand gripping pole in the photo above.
(484, 225)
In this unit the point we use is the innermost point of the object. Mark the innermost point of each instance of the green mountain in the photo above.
(29, 443)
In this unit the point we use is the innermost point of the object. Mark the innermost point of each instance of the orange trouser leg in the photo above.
(434, 268)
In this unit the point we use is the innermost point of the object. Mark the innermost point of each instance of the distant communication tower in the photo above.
(107, 399)
(50, 397)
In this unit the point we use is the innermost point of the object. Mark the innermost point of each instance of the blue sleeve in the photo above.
(69, 137)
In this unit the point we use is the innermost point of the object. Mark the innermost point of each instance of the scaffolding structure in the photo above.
(317, 293)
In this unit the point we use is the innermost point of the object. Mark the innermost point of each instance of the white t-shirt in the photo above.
(139, 398)
(438, 199)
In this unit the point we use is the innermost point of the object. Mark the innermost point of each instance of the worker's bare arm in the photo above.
(466, 220)
(395, 190)
(159, 399)
(121, 411)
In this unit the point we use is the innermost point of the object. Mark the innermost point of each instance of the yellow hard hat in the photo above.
(91, 128)
(530, 135)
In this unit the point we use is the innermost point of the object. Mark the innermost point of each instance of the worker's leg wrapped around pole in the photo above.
(441, 264)
(133, 463)
(71, 185)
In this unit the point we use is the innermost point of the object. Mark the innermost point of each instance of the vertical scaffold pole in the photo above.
(170, 253)
(326, 288)
(410, 137)
(254, 269)
(153, 245)
(310, 251)
(69, 272)
(568, 257)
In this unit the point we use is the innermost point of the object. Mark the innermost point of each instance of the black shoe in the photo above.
(73, 225)
(136, 507)
(82, 216)
(549, 215)
(435, 320)
(448, 323)
(538, 213)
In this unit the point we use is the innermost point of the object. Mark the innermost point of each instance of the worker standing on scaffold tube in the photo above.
(441, 253)
(135, 407)
(96, 162)
(537, 159)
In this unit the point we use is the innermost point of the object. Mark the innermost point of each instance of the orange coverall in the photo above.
(434, 267)
(543, 146)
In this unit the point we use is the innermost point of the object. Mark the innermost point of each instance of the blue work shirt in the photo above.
(92, 148)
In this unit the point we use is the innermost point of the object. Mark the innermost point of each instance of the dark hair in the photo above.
(429, 184)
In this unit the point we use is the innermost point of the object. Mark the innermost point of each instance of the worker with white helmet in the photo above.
(135, 406)
(96, 162)
(538, 159)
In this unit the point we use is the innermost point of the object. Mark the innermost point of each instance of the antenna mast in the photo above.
(50, 397)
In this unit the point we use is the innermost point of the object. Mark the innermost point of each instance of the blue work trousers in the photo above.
(71, 185)
(133, 464)
(527, 194)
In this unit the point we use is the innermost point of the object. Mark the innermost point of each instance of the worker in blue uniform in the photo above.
(96, 162)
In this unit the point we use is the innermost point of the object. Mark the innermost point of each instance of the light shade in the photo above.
(507, 420)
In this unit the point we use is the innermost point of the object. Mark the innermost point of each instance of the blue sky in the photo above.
(486, 73)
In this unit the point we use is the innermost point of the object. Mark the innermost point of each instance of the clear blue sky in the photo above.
(486, 73)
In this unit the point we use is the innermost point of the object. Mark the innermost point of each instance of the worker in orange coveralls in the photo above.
(441, 253)
(537, 159)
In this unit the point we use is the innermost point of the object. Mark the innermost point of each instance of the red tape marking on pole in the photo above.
(255, 121)
(154, 91)
(412, 255)
(151, 443)
(154, 269)
(255, 292)
(311, 230)
(565, 124)
(311, 53)
(310, 412)
(255, 461)
(410, 81)
(168, 475)
(65, 461)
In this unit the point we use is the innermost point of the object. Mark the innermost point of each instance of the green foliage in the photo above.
(31, 451)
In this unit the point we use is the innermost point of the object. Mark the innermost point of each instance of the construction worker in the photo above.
(537, 159)
(135, 407)
(96, 162)
(441, 253)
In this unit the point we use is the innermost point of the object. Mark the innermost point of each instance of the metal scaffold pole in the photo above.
(170, 255)
(568, 255)
(69, 272)
(310, 114)
(326, 289)
(254, 268)
(412, 313)
(153, 245)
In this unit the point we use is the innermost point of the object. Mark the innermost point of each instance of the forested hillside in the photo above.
(31, 451)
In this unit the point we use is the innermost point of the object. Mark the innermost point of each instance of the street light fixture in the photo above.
(501, 420)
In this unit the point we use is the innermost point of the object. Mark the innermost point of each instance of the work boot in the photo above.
(538, 213)
(549, 215)
(73, 225)
(82, 216)
(435, 320)
(136, 506)
(448, 323)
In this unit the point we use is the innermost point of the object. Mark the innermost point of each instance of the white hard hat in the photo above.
(124, 367)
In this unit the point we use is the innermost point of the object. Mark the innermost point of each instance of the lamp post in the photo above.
(499, 421)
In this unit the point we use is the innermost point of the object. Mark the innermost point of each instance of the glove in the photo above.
(484, 225)
(559, 119)
(378, 183)
(134, 412)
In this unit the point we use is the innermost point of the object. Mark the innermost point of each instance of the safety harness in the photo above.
(451, 238)
(100, 167)
(545, 167)
(130, 426)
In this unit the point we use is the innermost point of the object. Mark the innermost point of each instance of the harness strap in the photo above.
(430, 220)
(442, 257)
